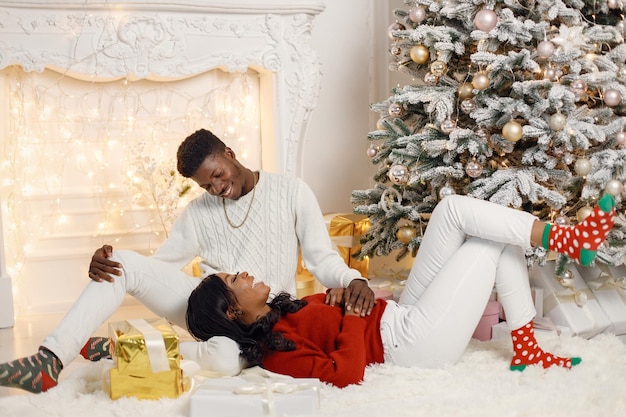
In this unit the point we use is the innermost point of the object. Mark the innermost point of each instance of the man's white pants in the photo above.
(160, 287)
(469, 245)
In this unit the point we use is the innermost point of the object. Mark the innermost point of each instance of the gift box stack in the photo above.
(587, 300)
(146, 360)
(246, 397)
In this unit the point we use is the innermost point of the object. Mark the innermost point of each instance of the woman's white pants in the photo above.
(469, 245)
(160, 287)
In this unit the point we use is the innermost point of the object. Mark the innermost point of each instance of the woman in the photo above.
(469, 246)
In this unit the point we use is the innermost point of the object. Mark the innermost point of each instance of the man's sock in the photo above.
(95, 349)
(36, 373)
(581, 241)
(527, 352)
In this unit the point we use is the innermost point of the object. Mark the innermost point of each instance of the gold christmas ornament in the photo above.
(512, 131)
(438, 68)
(419, 54)
(582, 213)
(582, 166)
(481, 81)
(466, 90)
(406, 233)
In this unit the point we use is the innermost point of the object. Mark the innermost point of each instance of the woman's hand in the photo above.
(334, 297)
(359, 297)
(101, 266)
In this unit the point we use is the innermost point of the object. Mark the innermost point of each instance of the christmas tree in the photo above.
(522, 103)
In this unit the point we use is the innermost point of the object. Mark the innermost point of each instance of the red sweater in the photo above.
(329, 346)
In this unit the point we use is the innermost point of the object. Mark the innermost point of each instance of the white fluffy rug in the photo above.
(479, 385)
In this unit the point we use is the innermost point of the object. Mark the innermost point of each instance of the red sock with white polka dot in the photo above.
(527, 351)
(581, 242)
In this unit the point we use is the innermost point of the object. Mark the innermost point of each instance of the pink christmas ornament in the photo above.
(612, 97)
(485, 20)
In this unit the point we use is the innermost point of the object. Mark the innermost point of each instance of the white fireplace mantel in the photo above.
(159, 40)
(170, 40)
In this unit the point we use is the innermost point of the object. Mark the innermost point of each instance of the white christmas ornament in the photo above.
(620, 138)
(545, 49)
(558, 121)
(570, 38)
(372, 151)
(582, 166)
(613, 187)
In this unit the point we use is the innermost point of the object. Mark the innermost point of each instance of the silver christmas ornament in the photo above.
(393, 28)
(562, 221)
(468, 106)
(447, 126)
(473, 169)
(398, 174)
(613, 187)
(446, 191)
(567, 278)
(431, 79)
(438, 68)
(396, 110)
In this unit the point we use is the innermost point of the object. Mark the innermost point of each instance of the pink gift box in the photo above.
(490, 317)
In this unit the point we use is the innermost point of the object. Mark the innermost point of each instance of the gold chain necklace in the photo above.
(237, 226)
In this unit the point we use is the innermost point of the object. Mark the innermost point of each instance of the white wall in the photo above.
(335, 162)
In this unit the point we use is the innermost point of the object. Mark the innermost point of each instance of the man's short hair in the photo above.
(195, 149)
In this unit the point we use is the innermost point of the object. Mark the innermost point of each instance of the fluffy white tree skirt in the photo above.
(479, 385)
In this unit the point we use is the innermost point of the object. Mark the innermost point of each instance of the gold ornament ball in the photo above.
(582, 213)
(481, 81)
(419, 54)
(512, 131)
(466, 90)
(406, 233)
(438, 68)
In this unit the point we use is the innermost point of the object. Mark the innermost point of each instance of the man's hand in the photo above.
(359, 297)
(101, 266)
(334, 297)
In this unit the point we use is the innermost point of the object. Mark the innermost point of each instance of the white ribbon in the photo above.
(605, 280)
(266, 387)
(155, 345)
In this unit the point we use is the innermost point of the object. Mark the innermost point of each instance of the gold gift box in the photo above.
(132, 374)
(346, 231)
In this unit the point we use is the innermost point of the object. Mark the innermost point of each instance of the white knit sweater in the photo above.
(284, 212)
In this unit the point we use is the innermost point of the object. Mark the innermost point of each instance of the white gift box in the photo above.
(574, 306)
(608, 284)
(256, 397)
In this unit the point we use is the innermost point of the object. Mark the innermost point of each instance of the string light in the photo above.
(113, 143)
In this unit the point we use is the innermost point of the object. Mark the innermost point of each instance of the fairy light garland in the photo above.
(114, 144)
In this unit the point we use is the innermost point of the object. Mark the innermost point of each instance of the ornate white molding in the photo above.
(165, 41)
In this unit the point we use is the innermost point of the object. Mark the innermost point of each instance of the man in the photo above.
(252, 221)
